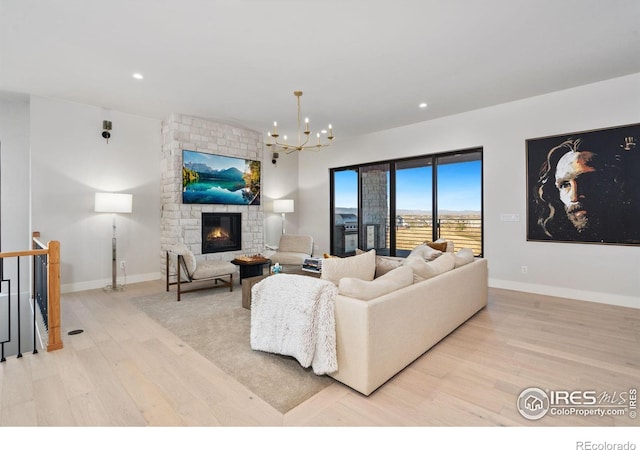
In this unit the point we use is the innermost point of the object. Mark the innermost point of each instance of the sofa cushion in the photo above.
(391, 281)
(425, 252)
(423, 270)
(463, 256)
(361, 266)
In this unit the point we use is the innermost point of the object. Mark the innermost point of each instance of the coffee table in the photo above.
(248, 283)
(251, 267)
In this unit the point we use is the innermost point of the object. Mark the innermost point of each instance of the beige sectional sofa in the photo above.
(378, 337)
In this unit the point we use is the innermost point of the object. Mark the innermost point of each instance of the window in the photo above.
(393, 206)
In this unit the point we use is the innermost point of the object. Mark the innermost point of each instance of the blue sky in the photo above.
(459, 187)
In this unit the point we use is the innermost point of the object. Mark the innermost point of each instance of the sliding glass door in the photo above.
(393, 206)
(459, 200)
(344, 212)
(414, 203)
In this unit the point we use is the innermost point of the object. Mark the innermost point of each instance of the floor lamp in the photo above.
(283, 206)
(113, 203)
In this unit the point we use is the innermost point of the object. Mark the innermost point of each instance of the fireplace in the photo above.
(221, 232)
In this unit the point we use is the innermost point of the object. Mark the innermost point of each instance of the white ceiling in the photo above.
(364, 65)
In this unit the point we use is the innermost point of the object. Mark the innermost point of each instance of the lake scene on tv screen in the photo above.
(218, 179)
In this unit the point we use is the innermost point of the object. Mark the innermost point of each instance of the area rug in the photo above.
(214, 323)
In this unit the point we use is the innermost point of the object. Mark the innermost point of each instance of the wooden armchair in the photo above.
(189, 270)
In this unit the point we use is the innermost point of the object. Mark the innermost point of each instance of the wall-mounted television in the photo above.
(219, 179)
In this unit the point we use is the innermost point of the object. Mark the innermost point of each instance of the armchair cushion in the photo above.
(293, 249)
(212, 269)
(292, 243)
(188, 256)
(289, 258)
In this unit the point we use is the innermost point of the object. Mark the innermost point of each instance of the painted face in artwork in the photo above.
(576, 180)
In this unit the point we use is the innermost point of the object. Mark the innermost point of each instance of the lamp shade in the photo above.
(113, 203)
(283, 206)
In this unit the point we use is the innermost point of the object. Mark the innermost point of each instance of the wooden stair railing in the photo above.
(52, 252)
(53, 290)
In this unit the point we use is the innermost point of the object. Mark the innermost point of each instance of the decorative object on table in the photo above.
(583, 187)
(113, 203)
(218, 179)
(287, 147)
(252, 258)
(283, 206)
(312, 265)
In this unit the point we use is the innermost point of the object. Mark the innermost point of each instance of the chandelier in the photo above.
(289, 147)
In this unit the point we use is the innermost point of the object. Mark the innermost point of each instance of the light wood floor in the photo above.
(126, 370)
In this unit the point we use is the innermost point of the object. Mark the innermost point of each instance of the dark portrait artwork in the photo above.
(585, 187)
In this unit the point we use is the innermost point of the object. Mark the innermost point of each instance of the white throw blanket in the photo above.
(294, 315)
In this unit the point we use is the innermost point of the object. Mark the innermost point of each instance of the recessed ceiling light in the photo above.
(138, 76)
(422, 105)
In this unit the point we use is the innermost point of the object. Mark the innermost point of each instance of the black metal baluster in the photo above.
(2, 357)
(35, 275)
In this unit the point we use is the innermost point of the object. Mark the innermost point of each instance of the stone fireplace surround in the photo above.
(181, 223)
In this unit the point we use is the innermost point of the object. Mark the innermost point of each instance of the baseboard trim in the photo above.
(99, 284)
(575, 294)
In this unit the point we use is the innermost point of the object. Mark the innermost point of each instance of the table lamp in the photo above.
(283, 206)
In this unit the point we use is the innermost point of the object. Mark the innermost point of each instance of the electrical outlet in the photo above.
(523, 269)
(122, 265)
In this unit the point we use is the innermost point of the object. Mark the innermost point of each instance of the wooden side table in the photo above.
(247, 284)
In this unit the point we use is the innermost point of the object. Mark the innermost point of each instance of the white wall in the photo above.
(600, 273)
(70, 161)
(14, 151)
(280, 180)
(15, 231)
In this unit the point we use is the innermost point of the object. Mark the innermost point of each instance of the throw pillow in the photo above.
(463, 256)
(393, 280)
(425, 252)
(441, 246)
(423, 270)
(385, 264)
(450, 245)
(360, 266)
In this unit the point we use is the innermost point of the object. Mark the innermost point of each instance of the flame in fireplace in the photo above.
(217, 233)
